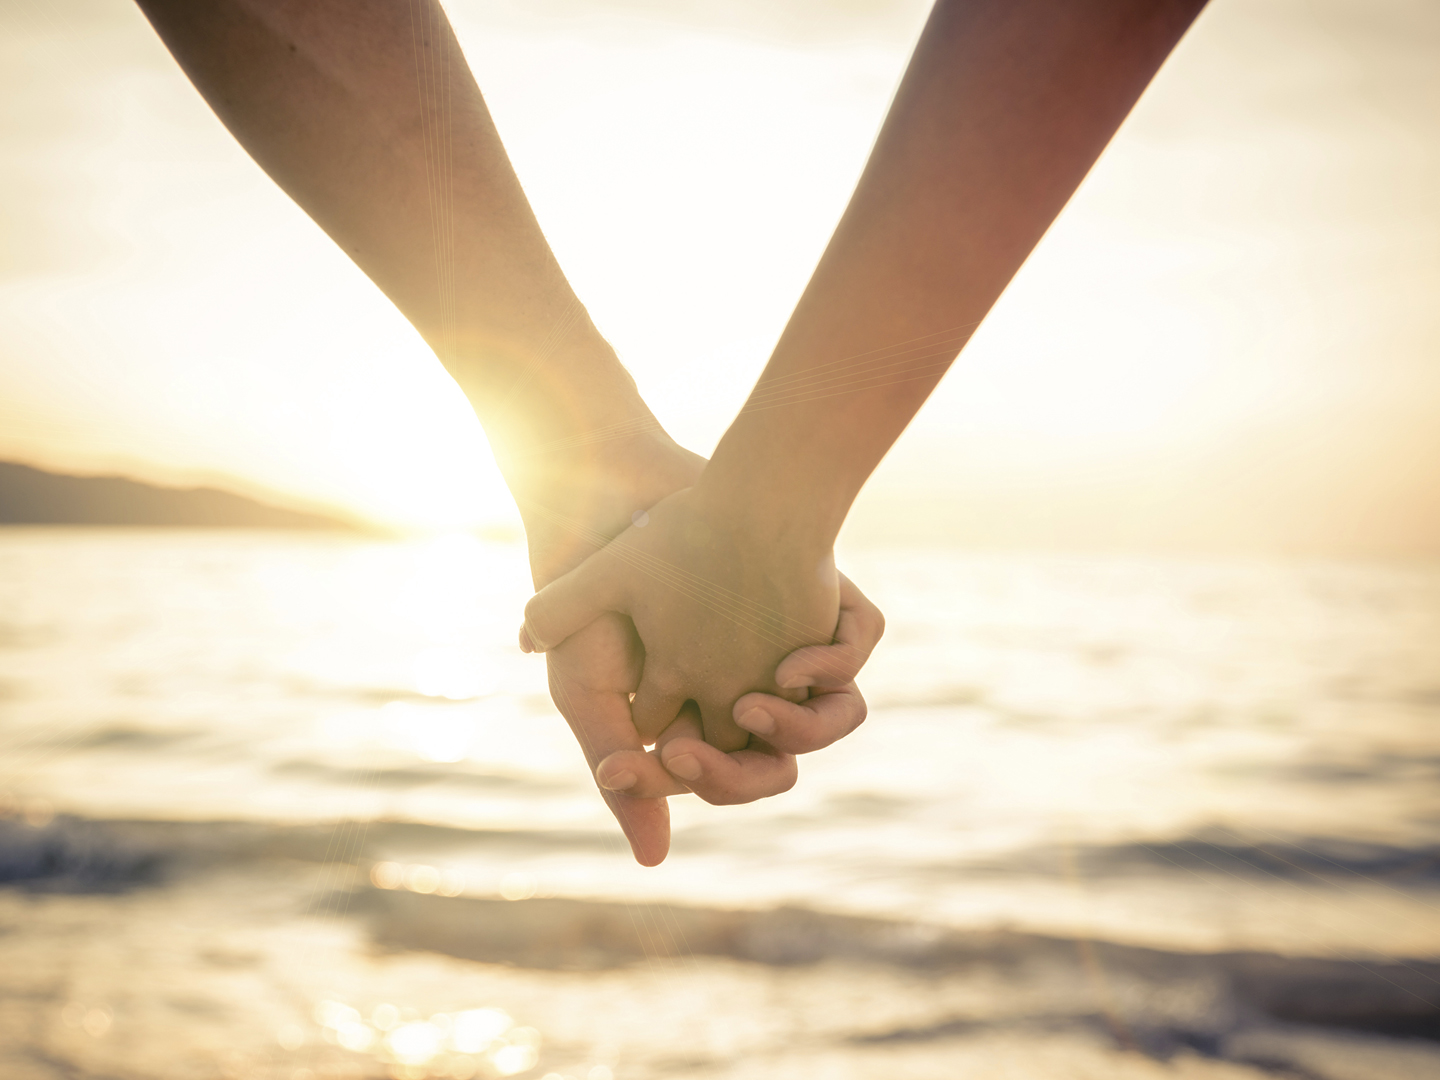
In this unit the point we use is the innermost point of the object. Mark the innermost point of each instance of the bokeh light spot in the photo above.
(387, 875)
(97, 1021)
(415, 1043)
(355, 1035)
(290, 1037)
(510, 1060)
(422, 879)
(518, 885)
(452, 883)
(475, 1029)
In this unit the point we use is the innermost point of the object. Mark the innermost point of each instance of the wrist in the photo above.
(542, 411)
(579, 497)
(753, 486)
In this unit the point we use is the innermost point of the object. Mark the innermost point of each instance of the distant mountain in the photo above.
(30, 496)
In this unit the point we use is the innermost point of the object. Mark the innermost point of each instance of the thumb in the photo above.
(573, 602)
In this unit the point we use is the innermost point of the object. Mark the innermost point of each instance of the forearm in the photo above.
(1004, 108)
(366, 113)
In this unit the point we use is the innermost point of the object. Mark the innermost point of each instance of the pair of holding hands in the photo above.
(693, 631)
(687, 605)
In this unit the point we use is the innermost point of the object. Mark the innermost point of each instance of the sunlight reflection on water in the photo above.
(1019, 705)
(458, 1044)
(321, 767)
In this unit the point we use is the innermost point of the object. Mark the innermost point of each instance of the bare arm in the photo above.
(1004, 108)
(365, 112)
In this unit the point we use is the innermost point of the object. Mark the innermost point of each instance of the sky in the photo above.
(1228, 342)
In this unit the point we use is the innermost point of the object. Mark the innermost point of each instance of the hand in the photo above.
(591, 677)
(784, 728)
(717, 604)
(593, 672)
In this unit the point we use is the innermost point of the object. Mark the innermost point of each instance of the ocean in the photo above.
(294, 806)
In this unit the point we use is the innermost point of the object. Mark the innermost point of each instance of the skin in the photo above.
(366, 114)
(1004, 108)
(780, 728)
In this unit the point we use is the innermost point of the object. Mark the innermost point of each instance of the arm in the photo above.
(366, 114)
(1005, 106)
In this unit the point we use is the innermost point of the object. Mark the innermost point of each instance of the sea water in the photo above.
(289, 805)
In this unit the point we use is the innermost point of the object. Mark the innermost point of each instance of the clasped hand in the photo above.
(728, 645)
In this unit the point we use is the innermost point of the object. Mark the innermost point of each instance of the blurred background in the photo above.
(1149, 783)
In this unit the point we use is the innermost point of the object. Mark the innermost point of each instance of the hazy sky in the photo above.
(1230, 339)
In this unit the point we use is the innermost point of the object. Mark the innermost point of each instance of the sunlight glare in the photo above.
(450, 672)
(515, 1058)
(433, 733)
(415, 1043)
(355, 1035)
(476, 1029)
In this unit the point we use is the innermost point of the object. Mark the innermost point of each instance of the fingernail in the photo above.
(621, 781)
(757, 721)
(685, 766)
(526, 645)
(795, 682)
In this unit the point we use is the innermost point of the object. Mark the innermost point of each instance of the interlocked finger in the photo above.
(805, 727)
(756, 772)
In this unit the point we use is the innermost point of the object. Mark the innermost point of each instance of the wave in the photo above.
(67, 853)
(1392, 997)
(73, 857)
(1229, 853)
(100, 851)
(414, 776)
(1383, 996)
